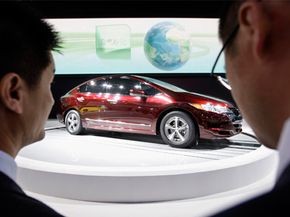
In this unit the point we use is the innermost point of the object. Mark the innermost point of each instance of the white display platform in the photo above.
(132, 168)
(194, 207)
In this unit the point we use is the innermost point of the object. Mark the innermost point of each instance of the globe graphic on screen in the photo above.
(167, 46)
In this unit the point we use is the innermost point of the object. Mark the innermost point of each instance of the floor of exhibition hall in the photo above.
(116, 174)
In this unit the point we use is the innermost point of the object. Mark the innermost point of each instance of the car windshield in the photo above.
(163, 84)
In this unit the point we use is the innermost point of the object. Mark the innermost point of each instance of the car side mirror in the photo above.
(136, 92)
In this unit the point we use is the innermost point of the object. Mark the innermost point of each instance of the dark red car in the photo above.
(137, 104)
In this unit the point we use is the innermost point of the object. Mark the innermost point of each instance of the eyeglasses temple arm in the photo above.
(223, 48)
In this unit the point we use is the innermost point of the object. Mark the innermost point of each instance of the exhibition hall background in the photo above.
(198, 82)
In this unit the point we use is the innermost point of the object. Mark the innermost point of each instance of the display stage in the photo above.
(117, 167)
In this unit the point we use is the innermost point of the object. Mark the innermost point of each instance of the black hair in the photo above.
(229, 21)
(26, 41)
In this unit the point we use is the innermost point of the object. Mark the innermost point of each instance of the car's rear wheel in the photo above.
(73, 123)
(178, 130)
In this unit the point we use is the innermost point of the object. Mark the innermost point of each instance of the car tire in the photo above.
(178, 130)
(73, 123)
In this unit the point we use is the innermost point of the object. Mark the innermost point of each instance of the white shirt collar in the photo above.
(8, 165)
(284, 148)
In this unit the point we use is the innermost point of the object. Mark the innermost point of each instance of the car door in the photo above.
(119, 113)
(126, 111)
(91, 99)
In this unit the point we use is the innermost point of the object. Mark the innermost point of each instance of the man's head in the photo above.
(26, 72)
(257, 63)
(26, 42)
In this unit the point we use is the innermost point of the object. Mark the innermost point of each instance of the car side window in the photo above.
(149, 90)
(93, 86)
(83, 88)
(122, 85)
(114, 86)
(99, 86)
(132, 84)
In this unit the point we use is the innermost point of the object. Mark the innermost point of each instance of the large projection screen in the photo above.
(137, 46)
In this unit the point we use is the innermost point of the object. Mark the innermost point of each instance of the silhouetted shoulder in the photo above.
(14, 202)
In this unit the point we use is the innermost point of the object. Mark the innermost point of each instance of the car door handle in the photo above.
(112, 101)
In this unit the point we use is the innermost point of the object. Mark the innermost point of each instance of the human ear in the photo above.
(11, 92)
(254, 24)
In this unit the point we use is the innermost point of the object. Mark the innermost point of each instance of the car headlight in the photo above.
(212, 108)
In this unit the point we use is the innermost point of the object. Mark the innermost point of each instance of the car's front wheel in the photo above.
(178, 130)
(73, 123)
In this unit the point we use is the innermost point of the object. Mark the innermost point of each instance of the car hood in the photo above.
(193, 97)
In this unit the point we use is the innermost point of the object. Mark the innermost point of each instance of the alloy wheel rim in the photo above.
(176, 130)
(73, 122)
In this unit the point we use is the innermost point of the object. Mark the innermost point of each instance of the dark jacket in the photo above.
(14, 202)
(269, 204)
